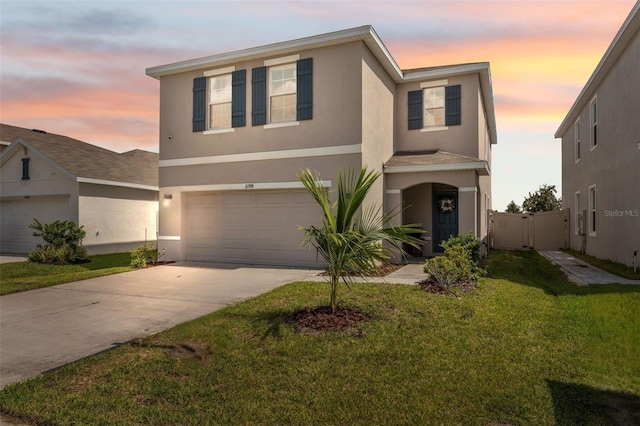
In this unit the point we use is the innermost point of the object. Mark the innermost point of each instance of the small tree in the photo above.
(543, 200)
(350, 236)
(512, 207)
(62, 242)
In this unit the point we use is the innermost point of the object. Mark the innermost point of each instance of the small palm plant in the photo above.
(351, 236)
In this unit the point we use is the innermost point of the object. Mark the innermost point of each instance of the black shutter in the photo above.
(304, 75)
(415, 109)
(452, 106)
(199, 104)
(259, 96)
(25, 168)
(239, 98)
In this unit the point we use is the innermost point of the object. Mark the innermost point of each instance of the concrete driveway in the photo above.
(47, 328)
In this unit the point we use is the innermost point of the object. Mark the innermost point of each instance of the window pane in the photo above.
(434, 117)
(220, 115)
(220, 89)
(283, 108)
(282, 79)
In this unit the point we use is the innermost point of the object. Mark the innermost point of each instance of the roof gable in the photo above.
(86, 161)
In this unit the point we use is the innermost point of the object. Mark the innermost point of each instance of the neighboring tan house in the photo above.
(236, 128)
(52, 177)
(601, 153)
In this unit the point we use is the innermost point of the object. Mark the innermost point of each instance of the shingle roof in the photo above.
(436, 160)
(89, 161)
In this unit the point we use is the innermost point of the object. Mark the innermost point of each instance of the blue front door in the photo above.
(445, 217)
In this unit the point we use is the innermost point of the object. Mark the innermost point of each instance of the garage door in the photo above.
(252, 227)
(17, 215)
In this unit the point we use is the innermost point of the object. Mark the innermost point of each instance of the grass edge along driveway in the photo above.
(23, 276)
(527, 347)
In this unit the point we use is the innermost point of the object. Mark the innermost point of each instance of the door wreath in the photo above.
(446, 205)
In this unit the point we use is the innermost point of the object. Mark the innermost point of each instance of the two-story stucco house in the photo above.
(236, 128)
(601, 152)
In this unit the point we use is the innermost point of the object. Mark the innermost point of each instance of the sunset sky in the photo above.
(77, 68)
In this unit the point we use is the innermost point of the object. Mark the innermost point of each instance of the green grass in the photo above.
(21, 276)
(616, 268)
(527, 348)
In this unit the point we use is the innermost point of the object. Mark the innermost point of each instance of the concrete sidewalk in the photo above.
(582, 273)
(46, 328)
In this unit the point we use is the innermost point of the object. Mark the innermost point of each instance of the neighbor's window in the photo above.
(594, 123)
(578, 214)
(577, 137)
(592, 210)
(434, 106)
(282, 93)
(220, 101)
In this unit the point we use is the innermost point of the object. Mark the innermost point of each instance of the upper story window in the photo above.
(435, 107)
(593, 107)
(282, 93)
(219, 100)
(576, 127)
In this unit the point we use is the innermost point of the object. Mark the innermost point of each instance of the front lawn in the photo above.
(21, 276)
(526, 347)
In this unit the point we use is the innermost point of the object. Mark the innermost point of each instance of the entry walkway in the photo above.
(582, 273)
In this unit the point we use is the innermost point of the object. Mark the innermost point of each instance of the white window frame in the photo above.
(433, 85)
(593, 128)
(210, 75)
(285, 61)
(577, 140)
(578, 210)
(593, 194)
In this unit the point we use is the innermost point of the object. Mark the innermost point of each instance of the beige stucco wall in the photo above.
(462, 139)
(613, 166)
(337, 85)
(378, 97)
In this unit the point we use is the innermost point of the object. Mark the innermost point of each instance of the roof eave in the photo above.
(481, 167)
(624, 36)
(365, 33)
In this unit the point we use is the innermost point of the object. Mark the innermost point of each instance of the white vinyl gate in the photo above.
(523, 231)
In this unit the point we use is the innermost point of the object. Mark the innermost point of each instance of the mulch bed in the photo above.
(320, 318)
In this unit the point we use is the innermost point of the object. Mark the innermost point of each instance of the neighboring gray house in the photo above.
(236, 128)
(601, 152)
(52, 177)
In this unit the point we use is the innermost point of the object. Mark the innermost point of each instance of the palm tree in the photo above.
(351, 236)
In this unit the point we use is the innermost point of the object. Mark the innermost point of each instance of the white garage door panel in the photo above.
(17, 215)
(256, 227)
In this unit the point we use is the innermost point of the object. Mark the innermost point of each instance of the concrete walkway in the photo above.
(582, 273)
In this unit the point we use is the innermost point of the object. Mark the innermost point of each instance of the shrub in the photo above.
(143, 255)
(453, 268)
(58, 255)
(467, 241)
(62, 243)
